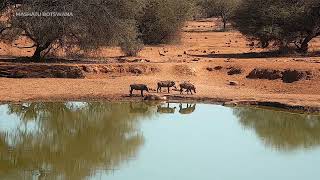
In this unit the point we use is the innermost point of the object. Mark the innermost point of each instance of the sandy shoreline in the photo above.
(203, 57)
(303, 106)
(212, 87)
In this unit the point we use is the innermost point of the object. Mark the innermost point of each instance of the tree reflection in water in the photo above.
(282, 130)
(70, 140)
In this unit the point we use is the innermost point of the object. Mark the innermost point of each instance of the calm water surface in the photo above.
(140, 141)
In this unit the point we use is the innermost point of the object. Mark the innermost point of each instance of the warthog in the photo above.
(139, 87)
(188, 86)
(167, 84)
(188, 110)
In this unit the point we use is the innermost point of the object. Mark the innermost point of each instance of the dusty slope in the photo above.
(200, 48)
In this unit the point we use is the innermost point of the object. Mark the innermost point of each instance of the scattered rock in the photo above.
(122, 60)
(234, 71)
(154, 97)
(95, 70)
(105, 69)
(87, 69)
(41, 71)
(218, 68)
(209, 69)
(287, 76)
(269, 74)
(290, 76)
(233, 83)
(135, 70)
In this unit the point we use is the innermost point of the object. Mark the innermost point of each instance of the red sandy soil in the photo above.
(200, 47)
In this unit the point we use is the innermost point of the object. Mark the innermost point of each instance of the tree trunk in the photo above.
(264, 44)
(305, 44)
(37, 53)
(224, 20)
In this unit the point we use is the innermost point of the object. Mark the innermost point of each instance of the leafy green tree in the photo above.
(223, 9)
(287, 23)
(92, 24)
(84, 24)
(162, 20)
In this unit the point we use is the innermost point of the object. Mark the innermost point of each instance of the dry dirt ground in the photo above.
(204, 57)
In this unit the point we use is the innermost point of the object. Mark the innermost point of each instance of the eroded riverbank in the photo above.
(212, 86)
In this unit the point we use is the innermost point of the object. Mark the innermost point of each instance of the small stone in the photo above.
(209, 69)
(233, 83)
(218, 68)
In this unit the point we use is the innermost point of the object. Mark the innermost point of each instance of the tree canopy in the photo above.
(92, 24)
(285, 22)
(223, 9)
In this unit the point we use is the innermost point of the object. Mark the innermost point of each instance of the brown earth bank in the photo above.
(222, 66)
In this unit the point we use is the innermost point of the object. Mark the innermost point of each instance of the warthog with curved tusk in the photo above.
(188, 86)
(139, 87)
(167, 84)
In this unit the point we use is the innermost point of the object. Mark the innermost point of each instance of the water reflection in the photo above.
(188, 109)
(282, 130)
(75, 140)
(166, 109)
(70, 140)
(141, 107)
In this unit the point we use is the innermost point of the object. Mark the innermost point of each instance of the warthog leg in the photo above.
(131, 91)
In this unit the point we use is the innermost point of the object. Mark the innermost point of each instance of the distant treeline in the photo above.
(84, 25)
